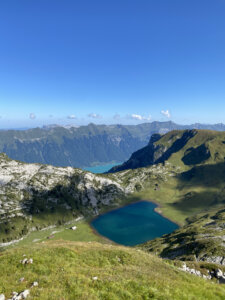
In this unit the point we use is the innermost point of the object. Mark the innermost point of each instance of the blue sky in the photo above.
(121, 61)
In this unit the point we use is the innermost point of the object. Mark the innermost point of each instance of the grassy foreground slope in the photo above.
(69, 270)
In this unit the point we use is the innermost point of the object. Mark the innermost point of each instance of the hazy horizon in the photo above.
(103, 124)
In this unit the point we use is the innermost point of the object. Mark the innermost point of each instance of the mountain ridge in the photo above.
(161, 147)
(84, 146)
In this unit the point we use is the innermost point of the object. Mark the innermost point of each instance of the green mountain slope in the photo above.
(186, 172)
(85, 145)
(187, 180)
(202, 239)
(66, 270)
(183, 148)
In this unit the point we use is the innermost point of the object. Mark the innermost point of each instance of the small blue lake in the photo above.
(133, 224)
(101, 168)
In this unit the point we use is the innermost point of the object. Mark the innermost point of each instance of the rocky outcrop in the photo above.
(201, 240)
(193, 271)
(217, 274)
(34, 190)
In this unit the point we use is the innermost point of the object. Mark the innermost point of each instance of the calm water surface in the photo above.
(101, 168)
(133, 224)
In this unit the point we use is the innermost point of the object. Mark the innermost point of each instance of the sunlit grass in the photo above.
(65, 270)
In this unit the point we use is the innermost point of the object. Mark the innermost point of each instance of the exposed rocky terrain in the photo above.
(201, 240)
(34, 195)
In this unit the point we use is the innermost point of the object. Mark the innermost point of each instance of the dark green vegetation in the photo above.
(83, 146)
(68, 270)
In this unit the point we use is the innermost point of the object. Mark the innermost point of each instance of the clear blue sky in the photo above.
(117, 61)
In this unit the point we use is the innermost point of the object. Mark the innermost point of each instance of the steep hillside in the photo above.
(185, 179)
(66, 270)
(85, 145)
(190, 190)
(34, 196)
(183, 148)
(186, 175)
(202, 239)
(76, 146)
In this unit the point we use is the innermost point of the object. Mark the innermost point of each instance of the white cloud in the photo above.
(71, 117)
(32, 116)
(140, 117)
(116, 117)
(166, 113)
(94, 116)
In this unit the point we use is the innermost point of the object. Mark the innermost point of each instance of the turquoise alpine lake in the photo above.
(133, 224)
(101, 168)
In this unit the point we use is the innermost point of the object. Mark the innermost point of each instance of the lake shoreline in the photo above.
(123, 206)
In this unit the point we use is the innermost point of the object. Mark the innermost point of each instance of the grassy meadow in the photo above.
(69, 270)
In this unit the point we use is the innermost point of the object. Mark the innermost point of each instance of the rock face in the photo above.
(31, 191)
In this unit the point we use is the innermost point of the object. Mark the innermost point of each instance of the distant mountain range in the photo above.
(85, 145)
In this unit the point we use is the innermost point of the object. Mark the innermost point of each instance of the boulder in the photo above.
(25, 294)
(22, 295)
(35, 283)
(218, 273)
(24, 261)
(30, 261)
(95, 278)
(222, 280)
